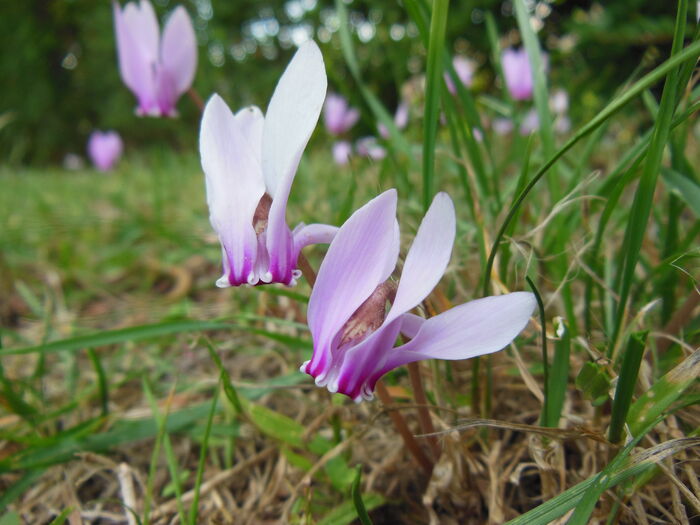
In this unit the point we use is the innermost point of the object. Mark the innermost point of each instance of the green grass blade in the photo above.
(540, 93)
(164, 438)
(62, 517)
(433, 88)
(345, 514)
(202, 458)
(135, 333)
(631, 361)
(102, 383)
(356, 494)
(545, 359)
(689, 53)
(643, 197)
(559, 374)
(684, 187)
(666, 391)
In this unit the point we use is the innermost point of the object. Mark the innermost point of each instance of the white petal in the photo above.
(233, 180)
(179, 50)
(428, 256)
(250, 121)
(292, 116)
(475, 328)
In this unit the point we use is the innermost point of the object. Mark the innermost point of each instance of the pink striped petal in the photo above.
(428, 256)
(472, 329)
(362, 255)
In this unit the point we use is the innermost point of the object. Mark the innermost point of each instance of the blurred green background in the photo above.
(60, 77)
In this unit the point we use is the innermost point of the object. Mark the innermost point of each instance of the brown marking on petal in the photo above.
(370, 315)
(261, 214)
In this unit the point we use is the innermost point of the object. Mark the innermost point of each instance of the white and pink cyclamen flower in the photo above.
(354, 334)
(517, 72)
(338, 116)
(104, 149)
(156, 68)
(250, 161)
(400, 120)
(465, 72)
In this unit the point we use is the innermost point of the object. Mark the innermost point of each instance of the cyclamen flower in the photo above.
(400, 120)
(464, 69)
(517, 72)
(104, 149)
(341, 152)
(250, 162)
(338, 116)
(354, 334)
(156, 68)
(369, 147)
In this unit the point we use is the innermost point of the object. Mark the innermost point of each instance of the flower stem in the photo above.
(306, 270)
(404, 432)
(196, 98)
(426, 423)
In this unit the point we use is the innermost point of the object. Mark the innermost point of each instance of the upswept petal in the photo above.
(178, 50)
(291, 118)
(141, 20)
(479, 327)
(361, 256)
(312, 234)
(134, 66)
(234, 186)
(250, 121)
(427, 257)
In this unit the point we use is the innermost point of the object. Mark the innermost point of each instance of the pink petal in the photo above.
(517, 72)
(475, 328)
(234, 185)
(137, 56)
(428, 256)
(178, 50)
(305, 235)
(362, 255)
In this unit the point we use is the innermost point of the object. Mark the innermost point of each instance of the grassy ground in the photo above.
(134, 391)
(106, 278)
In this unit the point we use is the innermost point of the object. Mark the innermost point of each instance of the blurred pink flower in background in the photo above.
(104, 149)
(517, 72)
(464, 69)
(559, 101)
(156, 68)
(369, 147)
(338, 116)
(341, 152)
(502, 125)
(530, 123)
(400, 120)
